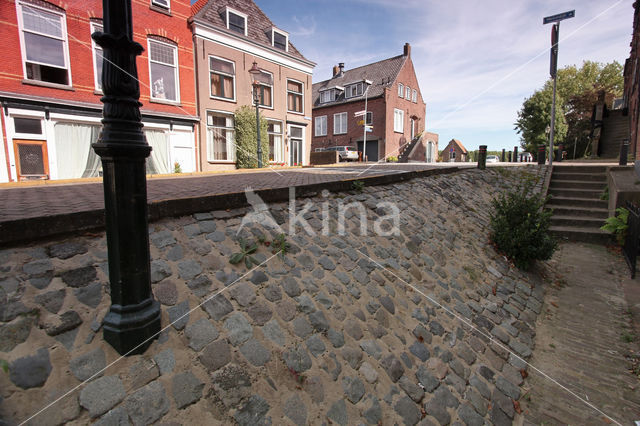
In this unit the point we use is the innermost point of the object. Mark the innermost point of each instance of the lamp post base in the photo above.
(131, 329)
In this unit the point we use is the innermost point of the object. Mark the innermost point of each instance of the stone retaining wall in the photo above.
(421, 327)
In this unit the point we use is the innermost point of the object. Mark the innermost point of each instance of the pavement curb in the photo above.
(15, 232)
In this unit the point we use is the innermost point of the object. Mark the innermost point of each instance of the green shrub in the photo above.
(177, 168)
(392, 159)
(247, 138)
(605, 193)
(520, 227)
(618, 224)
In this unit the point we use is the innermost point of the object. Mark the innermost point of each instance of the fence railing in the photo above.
(632, 240)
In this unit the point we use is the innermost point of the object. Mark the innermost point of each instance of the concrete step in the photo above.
(579, 202)
(591, 177)
(575, 193)
(576, 221)
(585, 235)
(578, 169)
(577, 184)
(560, 210)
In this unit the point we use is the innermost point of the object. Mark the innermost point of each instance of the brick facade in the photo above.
(460, 151)
(632, 84)
(79, 101)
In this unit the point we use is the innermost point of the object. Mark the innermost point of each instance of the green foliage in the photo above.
(626, 337)
(177, 168)
(392, 159)
(247, 138)
(577, 92)
(357, 185)
(519, 226)
(280, 245)
(245, 254)
(618, 224)
(4, 365)
(605, 193)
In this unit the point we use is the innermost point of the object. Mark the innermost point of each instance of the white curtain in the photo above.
(75, 157)
(158, 162)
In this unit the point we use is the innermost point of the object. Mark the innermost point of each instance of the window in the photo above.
(163, 68)
(236, 21)
(44, 42)
(321, 126)
(327, 96)
(354, 90)
(27, 125)
(294, 96)
(400, 89)
(369, 118)
(165, 4)
(407, 96)
(97, 57)
(220, 137)
(280, 39)
(340, 123)
(266, 89)
(222, 78)
(414, 96)
(276, 145)
(398, 120)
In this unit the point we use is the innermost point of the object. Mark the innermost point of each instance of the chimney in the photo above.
(341, 66)
(335, 70)
(407, 49)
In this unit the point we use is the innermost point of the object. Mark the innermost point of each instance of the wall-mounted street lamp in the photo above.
(255, 73)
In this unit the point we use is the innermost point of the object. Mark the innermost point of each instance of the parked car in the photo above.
(346, 153)
(492, 159)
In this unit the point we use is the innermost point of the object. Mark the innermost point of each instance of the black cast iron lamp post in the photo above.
(133, 319)
(255, 73)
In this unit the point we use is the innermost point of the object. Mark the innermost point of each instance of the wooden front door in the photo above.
(31, 159)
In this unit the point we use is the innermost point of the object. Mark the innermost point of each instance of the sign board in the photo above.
(553, 67)
(359, 113)
(559, 17)
(361, 123)
(369, 129)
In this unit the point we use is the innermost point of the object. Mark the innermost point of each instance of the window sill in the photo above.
(338, 134)
(217, 98)
(295, 112)
(164, 102)
(98, 92)
(400, 132)
(221, 162)
(47, 84)
(160, 10)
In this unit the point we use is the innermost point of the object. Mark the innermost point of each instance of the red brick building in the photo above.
(395, 108)
(50, 87)
(632, 85)
(455, 152)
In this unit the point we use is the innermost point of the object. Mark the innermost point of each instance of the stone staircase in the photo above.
(615, 129)
(578, 211)
(406, 150)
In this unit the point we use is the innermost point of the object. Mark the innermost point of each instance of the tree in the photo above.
(247, 138)
(577, 93)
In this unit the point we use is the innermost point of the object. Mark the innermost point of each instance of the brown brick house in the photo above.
(455, 152)
(632, 85)
(229, 35)
(395, 108)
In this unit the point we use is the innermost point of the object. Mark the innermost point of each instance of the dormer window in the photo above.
(236, 21)
(326, 96)
(354, 90)
(279, 39)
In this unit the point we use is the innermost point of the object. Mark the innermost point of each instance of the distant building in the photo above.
(395, 108)
(431, 145)
(455, 152)
(632, 85)
(51, 87)
(229, 35)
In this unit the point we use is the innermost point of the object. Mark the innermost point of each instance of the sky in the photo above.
(476, 60)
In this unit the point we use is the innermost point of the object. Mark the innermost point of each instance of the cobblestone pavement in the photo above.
(422, 327)
(580, 342)
(43, 200)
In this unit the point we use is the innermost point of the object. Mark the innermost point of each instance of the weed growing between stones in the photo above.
(520, 227)
(357, 185)
(245, 254)
(4, 365)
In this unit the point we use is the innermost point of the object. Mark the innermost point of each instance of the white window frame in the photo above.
(64, 38)
(158, 3)
(414, 96)
(274, 30)
(296, 93)
(278, 155)
(231, 145)
(407, 95)
(261, 84)
(350, 89)
(233, 77)
(94, 48)
(400, 90)
(398, 120)
(174, 49)
(369, 121)
(320, 125)
(330, 93)
(342, 117)
(238, 13)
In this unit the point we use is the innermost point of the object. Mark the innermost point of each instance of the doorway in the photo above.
(296, 139)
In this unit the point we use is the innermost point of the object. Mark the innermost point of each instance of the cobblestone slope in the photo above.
(416, 328)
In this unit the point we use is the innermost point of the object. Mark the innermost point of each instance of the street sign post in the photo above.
(359, 113)
(553, 66)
